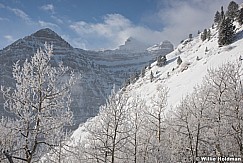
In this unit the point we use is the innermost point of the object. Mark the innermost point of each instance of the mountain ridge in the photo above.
(99, 70)
(197, 58)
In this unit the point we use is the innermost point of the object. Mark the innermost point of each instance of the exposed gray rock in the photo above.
(99, 70)
(161, 49)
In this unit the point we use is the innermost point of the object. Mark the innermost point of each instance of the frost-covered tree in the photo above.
(234, 111)
(190, 126)
(226, 32)
(155, 126)
(209, 121)
(7, 138)
(109, 132)
(217, 81)
(232, 11)
(136, 140)
(40, 105)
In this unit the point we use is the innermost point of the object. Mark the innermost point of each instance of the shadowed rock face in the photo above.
(99, 70)
(89, 92)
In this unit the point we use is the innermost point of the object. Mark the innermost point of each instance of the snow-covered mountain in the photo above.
(89, 93)
(197, 57)
(99, 70)
(162, 48)
(128, 59)
(133, 45)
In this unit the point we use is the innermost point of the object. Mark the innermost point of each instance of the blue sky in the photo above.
(106, 24)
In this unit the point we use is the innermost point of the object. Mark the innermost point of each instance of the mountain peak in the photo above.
(45, 32)
(49, 36)
(133, 45)
(162, 48)
(38, 39)
(129, 39)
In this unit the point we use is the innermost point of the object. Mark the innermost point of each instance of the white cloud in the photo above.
(177, 19)
(20, 14)
(76, 42)
(48, 7)
(112, 24)
(9, 38)
(112, 32)
(182, 17)
(44, 24)
(58, 20)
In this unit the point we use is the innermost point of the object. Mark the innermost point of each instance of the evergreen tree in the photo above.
(232, 10)
(179, 61)
(226, 32)
(134, 77)
(208, 34)
(222, 13)
(149, 66)
(143, 72)
(206, 50)
(127, 82)
(240, 16)
(217, 18)
(161, 61)
(151, 76)
(190, 37)
(158, 60)
(204, 35)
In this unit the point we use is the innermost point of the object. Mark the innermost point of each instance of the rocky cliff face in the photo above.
(99, 70)
(129, 58)
(162, 49)
(133, 45)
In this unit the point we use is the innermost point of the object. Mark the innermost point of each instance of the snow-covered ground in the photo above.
(182, 79)
(197, 57)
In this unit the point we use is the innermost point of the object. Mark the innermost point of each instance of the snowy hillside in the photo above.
(134, 104)
(197, 57)
(181, 79)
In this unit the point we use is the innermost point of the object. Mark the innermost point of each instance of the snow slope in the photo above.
(196, 61)
(180, 79)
